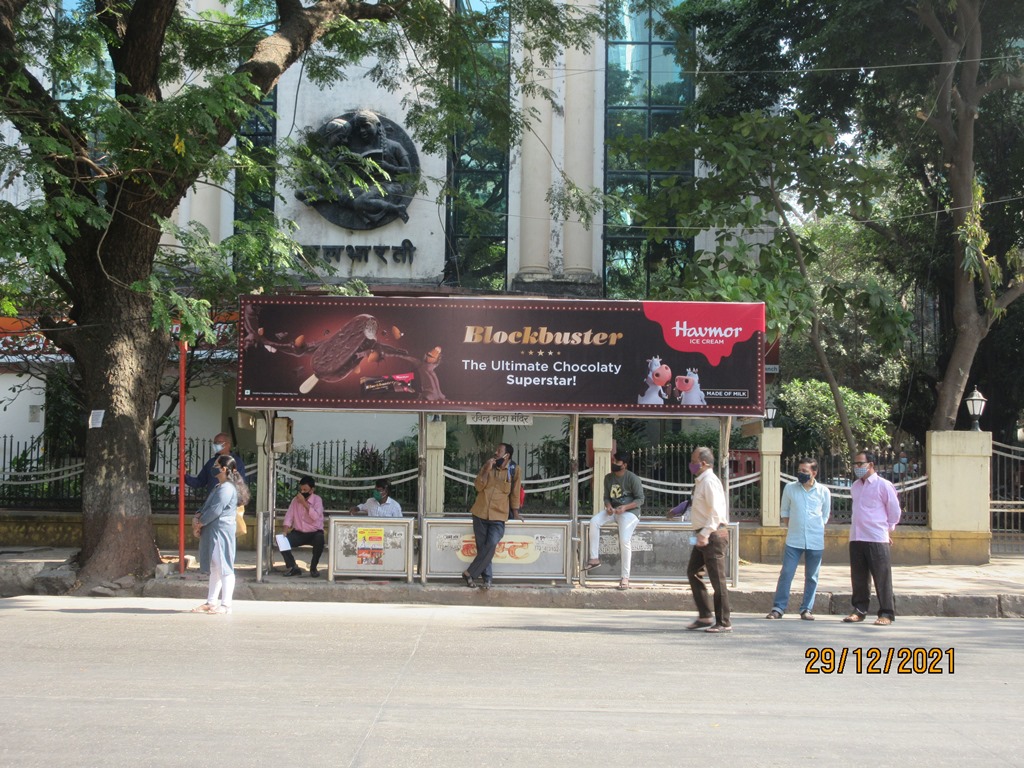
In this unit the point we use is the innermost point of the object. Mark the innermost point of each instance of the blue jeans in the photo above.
(488, 533)
(812, 564)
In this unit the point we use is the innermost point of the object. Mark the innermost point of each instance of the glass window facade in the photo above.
(646, 93)
(476, 245)
(261, 130)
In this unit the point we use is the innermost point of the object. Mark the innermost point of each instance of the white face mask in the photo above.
(218, 447)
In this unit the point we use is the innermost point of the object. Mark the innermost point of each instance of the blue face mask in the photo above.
(859, 472)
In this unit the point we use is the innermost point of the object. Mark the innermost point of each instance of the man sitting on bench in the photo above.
(304, 525)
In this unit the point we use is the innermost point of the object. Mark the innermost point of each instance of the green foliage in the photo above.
(696, 436)
(368, 462)
(765, 170)
(551, 455)
(866, 334)
(111, 142)
(808, 415)
(878, 71)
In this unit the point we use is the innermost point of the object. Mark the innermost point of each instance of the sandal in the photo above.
(469, 580)
(853, 618)
(700, 624)
(623, 584)
(806, 615)
(883, 621)
(220, 610)
(773, 614)
(204, 608)
(719, 628)
(590, 566)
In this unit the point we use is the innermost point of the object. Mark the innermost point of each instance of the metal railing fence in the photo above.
(836, 472)
(662, 469)
(43, 476)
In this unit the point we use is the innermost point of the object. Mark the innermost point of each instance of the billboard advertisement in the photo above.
(501, 354)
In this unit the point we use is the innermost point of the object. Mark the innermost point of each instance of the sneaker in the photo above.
(296, 571)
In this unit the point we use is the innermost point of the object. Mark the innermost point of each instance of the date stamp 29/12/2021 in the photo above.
(879, 661)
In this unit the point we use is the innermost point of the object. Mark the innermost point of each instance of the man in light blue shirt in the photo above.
(806, 507)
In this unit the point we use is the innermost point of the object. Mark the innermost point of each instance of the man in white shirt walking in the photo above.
(709, 516)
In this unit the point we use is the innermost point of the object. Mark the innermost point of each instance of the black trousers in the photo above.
(301, 539)
(712, 557)
(872, 559)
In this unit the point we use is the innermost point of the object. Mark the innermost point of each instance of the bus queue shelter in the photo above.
(492, 355)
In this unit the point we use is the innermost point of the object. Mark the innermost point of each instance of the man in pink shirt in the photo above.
(304, 524)
(876, 513)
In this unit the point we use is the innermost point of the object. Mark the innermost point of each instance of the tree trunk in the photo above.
(951, 388)
(122, 360)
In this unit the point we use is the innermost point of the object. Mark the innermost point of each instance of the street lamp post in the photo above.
(769, 413)
(975, 403)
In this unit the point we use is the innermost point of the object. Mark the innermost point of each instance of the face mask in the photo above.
(695, 467)
(218, 447)
(378, 495)
(618, 467)
(499, 461)
(803, 478)
(306, 494)
(859, 472)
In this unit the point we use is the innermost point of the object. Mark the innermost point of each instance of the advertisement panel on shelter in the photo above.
(501, 354)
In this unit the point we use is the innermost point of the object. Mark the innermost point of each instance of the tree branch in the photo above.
(1003, 82)
(941, 116)
(137, 57)
(1010, 295)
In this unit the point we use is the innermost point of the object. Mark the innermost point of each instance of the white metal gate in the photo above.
(1007, 499)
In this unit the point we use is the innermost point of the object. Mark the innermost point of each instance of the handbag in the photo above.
(240, 527)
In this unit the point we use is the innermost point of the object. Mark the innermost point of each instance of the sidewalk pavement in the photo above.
(992, 590)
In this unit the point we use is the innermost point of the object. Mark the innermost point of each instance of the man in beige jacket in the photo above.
(497, 492)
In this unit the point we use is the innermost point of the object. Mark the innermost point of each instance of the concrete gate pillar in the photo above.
(959, 496)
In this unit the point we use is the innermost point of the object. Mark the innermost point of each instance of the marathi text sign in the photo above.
(497, 354)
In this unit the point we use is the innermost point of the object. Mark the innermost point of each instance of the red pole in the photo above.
(182, 349)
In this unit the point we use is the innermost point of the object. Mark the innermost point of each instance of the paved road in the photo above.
(140, 682)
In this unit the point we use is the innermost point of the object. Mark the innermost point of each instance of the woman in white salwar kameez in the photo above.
(216, 523)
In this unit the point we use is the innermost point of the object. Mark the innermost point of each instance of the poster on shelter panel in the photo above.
(501, 354)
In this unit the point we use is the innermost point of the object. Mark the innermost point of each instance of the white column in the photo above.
(584, 156)
(436, 440)
(771, 470)
(602, 443)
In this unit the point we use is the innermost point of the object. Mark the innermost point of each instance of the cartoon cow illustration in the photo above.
(658, 375)
(688, 388)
